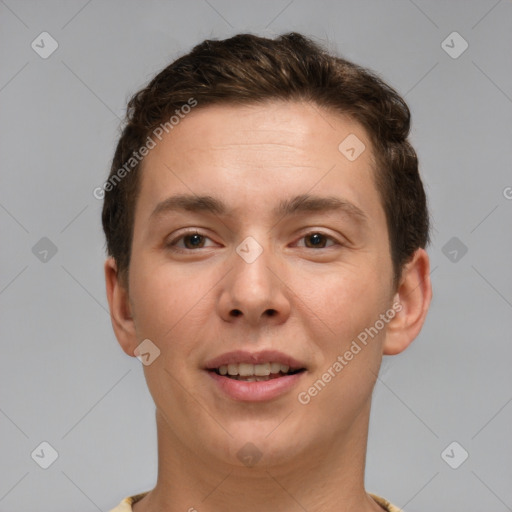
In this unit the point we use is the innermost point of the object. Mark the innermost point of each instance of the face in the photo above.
(256, 240)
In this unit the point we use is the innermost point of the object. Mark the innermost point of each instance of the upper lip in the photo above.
(244, 356)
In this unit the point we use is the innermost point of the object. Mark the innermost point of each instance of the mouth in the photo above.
(255, 376)
(249, 372)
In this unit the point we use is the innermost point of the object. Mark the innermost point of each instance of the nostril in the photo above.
(237, 312)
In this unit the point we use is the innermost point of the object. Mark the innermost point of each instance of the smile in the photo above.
(249, 372)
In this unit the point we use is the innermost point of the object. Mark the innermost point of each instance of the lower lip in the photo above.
(261, 391)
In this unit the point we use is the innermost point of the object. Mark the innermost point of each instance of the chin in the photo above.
(260, 446)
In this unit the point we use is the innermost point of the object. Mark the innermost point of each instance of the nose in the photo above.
(253, 292)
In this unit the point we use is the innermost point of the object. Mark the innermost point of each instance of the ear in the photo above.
(120, 310)
(413, 296)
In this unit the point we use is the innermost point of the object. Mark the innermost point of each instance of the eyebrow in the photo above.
(304, 203)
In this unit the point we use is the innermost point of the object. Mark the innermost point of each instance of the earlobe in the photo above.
(414, 295)
(120, 309)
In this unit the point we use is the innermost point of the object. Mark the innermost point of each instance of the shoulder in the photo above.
(385, 504)
(126, 504)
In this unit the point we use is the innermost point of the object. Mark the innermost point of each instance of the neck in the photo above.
(326, 478)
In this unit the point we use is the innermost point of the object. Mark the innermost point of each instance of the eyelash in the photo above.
(172, 244)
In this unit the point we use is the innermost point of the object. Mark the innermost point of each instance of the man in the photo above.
(266, 227)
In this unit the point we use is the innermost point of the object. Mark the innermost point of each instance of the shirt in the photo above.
(126, 504)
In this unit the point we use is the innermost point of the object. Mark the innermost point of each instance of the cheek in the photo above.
(167, 309)
(161, 298)
(346, 301)
(174, 307)
(348, 358)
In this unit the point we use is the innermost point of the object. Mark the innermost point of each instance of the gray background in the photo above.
(64, 378)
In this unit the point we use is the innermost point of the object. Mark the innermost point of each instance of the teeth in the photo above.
(275, 367)
(262, 370)
(252, 370)
(253, 378)
(245, 369)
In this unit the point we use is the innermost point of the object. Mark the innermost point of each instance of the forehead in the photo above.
(257, 153)
(284, 127)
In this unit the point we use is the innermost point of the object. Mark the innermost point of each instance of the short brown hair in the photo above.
(247, 69)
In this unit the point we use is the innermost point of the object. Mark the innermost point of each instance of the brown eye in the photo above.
(193, 241)
(190, 241)
(316, 240)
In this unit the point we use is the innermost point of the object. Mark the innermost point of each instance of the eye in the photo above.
(189, 241)
(317, 240)
(195, 240)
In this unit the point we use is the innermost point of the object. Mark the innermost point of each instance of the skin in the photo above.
(307, 301)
